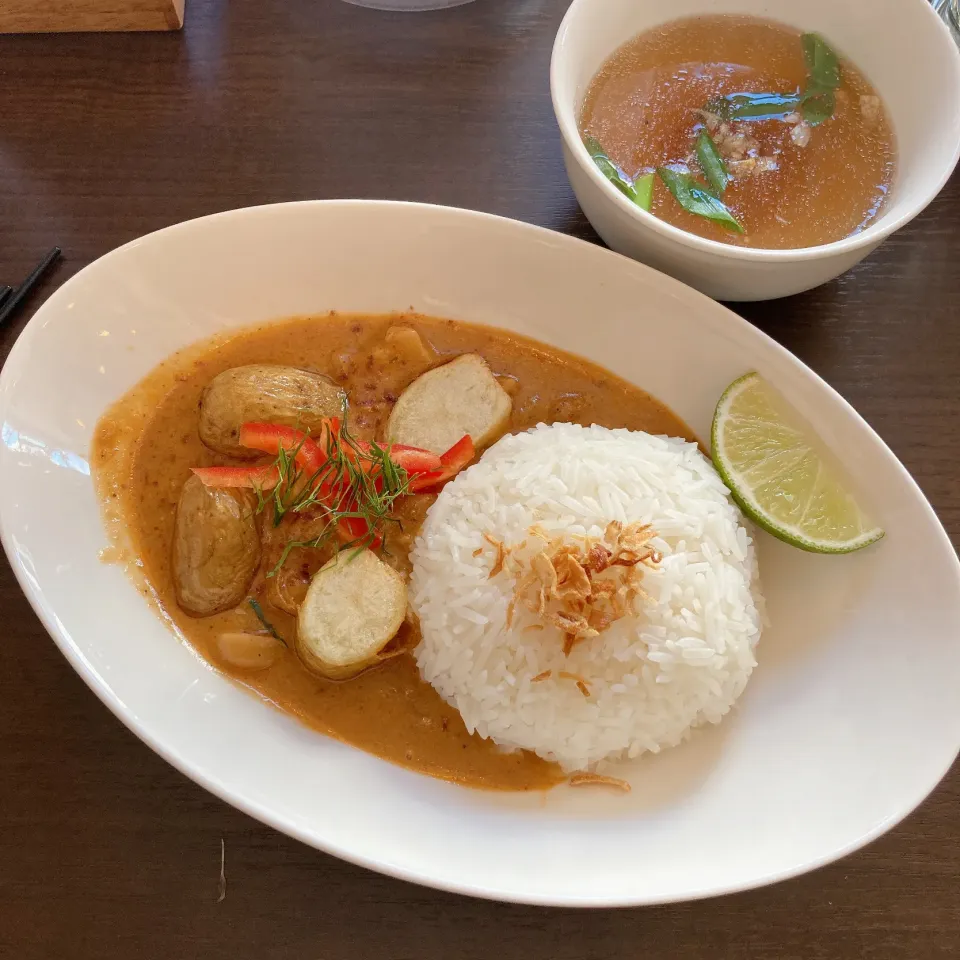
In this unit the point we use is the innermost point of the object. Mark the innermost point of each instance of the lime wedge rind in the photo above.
(742, 485)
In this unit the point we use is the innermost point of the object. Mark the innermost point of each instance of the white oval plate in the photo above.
(850, 720)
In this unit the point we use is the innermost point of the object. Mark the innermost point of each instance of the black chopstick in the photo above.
(12, 301)
(5, 292)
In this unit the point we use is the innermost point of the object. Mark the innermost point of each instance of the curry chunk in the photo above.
(264, 392)
(404, 348)
(353, 608)
(248, 651)
(216, 548)
(445, 403)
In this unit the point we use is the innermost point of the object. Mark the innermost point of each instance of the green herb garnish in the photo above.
(641, 192)
(711, 163)
(695, 197)
(357, 482)
(267, 625)
(329, 530)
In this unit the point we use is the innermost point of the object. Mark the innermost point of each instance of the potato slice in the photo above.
(268, 393)
(445, 403)
(353, 609)
(216, 548)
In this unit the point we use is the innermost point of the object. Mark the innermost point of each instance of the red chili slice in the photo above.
(271, 437)
(414, 460)
(452, 462)
(265, 478)
(352, 529)
(460, 454)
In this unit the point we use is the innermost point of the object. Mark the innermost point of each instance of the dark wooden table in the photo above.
(105, 851)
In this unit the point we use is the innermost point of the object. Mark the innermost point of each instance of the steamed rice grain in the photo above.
(681, 661)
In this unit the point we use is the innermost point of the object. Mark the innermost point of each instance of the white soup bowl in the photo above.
(901, 46)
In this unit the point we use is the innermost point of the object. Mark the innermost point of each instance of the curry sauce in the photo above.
(146, 444)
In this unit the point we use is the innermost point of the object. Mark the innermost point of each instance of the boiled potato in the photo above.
(267, 393)
(216, 548)
(445, 403)
(354, 607)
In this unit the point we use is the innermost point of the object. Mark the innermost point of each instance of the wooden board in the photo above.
(69, 16)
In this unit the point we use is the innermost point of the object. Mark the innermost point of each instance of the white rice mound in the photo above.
(681, 661)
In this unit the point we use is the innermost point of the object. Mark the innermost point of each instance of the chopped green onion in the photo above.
(643, 187)
(822, 63)
(817, 102)
(695, 197)
(640, 195)
(818, 106)
(714, 169)
(754, 106)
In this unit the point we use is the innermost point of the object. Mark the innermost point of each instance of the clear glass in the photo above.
(408, 4)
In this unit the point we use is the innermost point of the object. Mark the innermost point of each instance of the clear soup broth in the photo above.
(792, 183)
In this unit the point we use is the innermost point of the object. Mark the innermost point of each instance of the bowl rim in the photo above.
(147, 732)
(870, 236)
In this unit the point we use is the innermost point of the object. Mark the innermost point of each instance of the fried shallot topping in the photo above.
(501, 554)
(596, 779)
(582, 684)
(579, 588)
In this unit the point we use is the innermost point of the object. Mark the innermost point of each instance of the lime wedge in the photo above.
(779, 474)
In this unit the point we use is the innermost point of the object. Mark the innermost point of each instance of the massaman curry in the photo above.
(268, 486)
